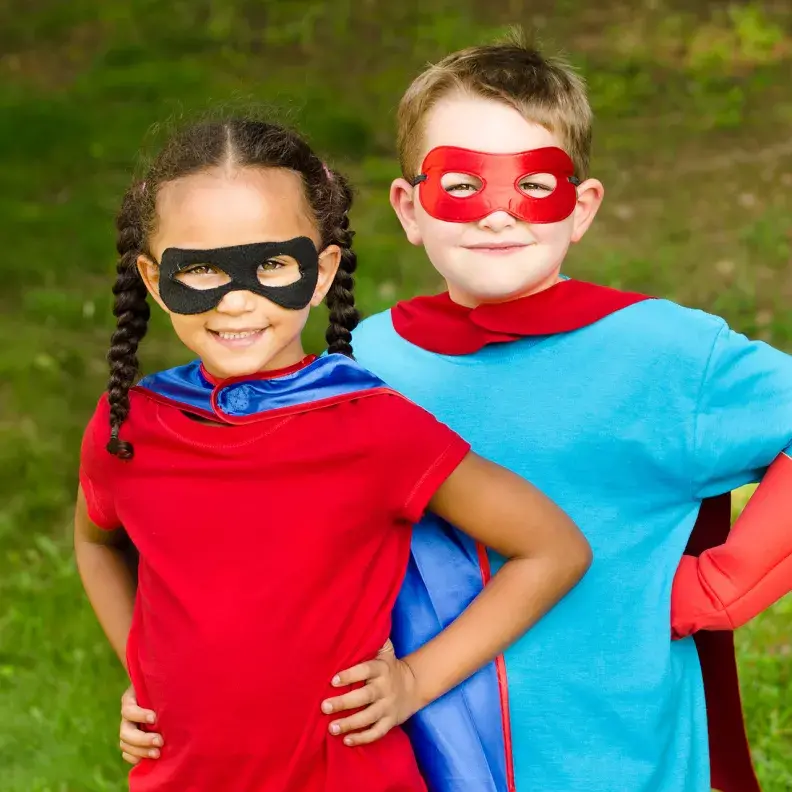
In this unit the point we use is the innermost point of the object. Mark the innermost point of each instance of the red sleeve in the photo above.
(421, 454)
(96, 469)
(728, 585)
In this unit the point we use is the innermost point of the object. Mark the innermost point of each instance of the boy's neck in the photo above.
(468, 300)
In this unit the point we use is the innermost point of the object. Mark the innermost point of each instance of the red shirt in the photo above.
(270, 558)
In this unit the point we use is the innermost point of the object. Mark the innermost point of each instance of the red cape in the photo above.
(439, 325)
(730, 755)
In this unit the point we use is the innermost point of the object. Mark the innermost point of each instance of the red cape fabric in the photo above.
(730, 755)
(439, 325)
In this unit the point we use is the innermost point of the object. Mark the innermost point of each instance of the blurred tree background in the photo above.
(692, 140)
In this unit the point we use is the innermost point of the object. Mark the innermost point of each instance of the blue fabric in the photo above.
(627, 424)
(325, 378)
(743, 414)
(183, 384)
(460, 737)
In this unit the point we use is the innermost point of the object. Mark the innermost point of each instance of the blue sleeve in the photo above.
(744, 414)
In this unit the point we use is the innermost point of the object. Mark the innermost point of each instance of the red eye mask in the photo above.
(500, 176)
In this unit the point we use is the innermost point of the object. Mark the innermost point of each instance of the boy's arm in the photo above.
(726, 586)
(742, 434)
(106, 575)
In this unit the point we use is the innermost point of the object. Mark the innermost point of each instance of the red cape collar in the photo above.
(440, 325)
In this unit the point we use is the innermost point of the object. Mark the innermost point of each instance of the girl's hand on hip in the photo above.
(387, 699)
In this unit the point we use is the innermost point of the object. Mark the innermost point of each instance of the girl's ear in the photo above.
(329, 261)
(150, 274)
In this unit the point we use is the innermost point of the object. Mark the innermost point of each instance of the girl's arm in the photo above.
(106, 575)
(547, 555)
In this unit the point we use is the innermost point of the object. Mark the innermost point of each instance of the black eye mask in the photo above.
(240, 263)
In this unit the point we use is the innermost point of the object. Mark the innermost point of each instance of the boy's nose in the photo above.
(497, 221)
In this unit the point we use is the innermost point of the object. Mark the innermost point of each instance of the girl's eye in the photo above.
(202, 276)
(281, 271)
(538, 185)
(200, 269)
(460, 185)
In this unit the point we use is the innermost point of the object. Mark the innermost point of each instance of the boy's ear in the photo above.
(590, 195)
(403, 197)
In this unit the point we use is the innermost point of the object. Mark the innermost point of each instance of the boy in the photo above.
(636, 415)
(631, 413)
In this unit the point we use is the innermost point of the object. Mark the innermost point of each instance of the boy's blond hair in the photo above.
(544, 90)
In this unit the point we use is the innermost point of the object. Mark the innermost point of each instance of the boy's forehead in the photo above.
(481, 124)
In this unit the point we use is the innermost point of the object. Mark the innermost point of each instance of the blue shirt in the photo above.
(627, 424)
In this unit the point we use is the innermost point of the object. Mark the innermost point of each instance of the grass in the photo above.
(692, 143)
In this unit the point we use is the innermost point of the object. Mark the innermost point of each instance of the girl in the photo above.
(271, 494)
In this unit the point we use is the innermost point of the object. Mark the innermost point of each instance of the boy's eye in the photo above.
(538, 185)
(460, 185)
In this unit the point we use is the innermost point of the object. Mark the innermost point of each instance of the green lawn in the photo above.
(692, 142)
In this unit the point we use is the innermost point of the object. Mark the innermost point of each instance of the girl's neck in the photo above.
(265, 373)
(291, 357)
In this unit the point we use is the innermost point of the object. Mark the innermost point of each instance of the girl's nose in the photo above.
(237, 302)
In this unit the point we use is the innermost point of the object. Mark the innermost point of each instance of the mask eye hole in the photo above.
(202, 276)
(278, 271)
(537, 185)
(460, 185)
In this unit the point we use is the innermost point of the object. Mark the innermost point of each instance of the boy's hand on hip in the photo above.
(387, 699)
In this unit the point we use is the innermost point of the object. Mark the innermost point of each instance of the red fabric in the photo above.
(727, 578)
(500, 176)
(440, 325)
(730, 583)
(730, 756)
(503, 682)
(270, 558)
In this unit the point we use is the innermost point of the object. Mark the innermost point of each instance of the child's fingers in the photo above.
(131, 712)
(133, 760)
(131, 735)
(137, 752)
(355, 699)
(359, 673)
(376, 732)
(360, 720)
